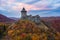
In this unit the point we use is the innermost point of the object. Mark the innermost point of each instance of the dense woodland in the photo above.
(27, 30)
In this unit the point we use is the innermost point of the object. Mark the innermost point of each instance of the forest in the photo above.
(27, 30)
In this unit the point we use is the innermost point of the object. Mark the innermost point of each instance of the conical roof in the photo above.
(23, 9)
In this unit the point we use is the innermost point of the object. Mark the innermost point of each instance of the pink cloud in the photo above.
(18, 6)
(28, 7)
(7, 2)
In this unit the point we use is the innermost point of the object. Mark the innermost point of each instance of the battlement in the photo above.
(24, 15)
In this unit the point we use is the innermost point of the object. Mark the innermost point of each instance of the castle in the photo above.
(24, 15)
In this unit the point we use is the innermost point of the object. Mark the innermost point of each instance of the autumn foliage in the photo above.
(27, 30)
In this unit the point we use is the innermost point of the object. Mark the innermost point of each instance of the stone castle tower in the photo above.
(24, 15)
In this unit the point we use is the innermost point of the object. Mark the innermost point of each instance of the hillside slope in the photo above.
(5, 19)
(53, 22)
(27, 30)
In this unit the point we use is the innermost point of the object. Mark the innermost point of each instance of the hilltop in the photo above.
(28, 30)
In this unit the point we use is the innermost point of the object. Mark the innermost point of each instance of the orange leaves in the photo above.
(57, 36)
(10, 32)
(35, 37)
(27, 30)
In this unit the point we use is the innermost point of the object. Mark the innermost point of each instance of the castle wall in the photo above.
(24, 15)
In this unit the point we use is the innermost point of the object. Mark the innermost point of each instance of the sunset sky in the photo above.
(44, 8)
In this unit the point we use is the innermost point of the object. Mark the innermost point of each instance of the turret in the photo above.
(23, 13)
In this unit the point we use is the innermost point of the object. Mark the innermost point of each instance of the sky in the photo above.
(44, 8)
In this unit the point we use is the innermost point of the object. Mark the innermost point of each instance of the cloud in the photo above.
(5, 3)
(55, 6)
(19, 6)
(51, 4)
(24, 1)
(36, 5)
(28, 7)
(13, 5)
(2, 8)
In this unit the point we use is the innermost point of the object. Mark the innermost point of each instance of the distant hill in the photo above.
(5, 19)
(55, 24)
(14, 18)
(50, 18)
(53, 21)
